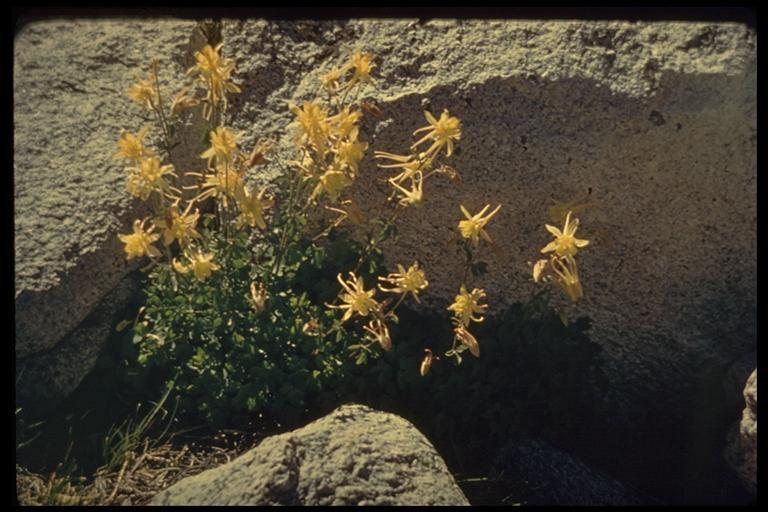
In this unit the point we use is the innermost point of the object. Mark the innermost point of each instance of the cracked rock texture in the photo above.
(70, 201)
(353, 456)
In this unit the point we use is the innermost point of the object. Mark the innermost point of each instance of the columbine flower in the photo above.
(565, 243)
(466, 305)
(179, 226)
(312, 120)
(252, 208)
(467, 340)
(223, 146)
(140, 242)
(443, 132)
(143, 92)
(380, 333)
(361, 66)
(409, 163)
(331, 80)
(201, 265)
(356, 298)
(426, 363)
(404, 281)
(332, 182)
(473, 226)
(131, 147)
(351, 212)
(413, 196)
(225, 183)
(350, 152)
(183, 101)
(343, 123)
(567, 276)
(538, 268)
(148, 177)
(215, 74)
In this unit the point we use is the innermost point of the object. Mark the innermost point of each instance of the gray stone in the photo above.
(658, 120)
(741, 450)
(552, 477)
(70, 79)
(353, 456)
(46, 378)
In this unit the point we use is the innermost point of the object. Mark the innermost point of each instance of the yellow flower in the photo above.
(426, 363)
(223, 146)
(472, 227)
(332, 182)
(567, 276)
(312, 120)
(350, 152)
(143, 92)
(201, 265)
(148, 177)
(355, 297)
(466, 305)
(344, 122)
(409, 163)
(380, 333)
(252, 208)
(215, 74)
(467, 340)
(351, 212)
(565, 242)
(361, 65)
(413, 196)
(183, 101)
(538, 268)
(140, 242)
(131, 147)
(179, 226)
(404, 281)
(331, 79)
(443, 132)
(224, 182)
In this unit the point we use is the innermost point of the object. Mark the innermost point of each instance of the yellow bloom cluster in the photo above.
(214, 73)
(328, 136)
(561, 266)
(417, 166)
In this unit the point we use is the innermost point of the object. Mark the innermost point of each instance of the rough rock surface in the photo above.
(70, 201)
(44, 379)
(741, 451)
(353, 456)
(552, 477)
(658, 120)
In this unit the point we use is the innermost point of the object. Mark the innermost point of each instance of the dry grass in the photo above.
(143, 473)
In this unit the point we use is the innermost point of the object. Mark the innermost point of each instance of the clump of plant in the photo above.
(258, 301)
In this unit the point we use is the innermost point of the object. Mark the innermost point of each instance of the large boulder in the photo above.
(70, 200)
(353, 456)
(657, 120)
(549, 476)
(741, 451)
